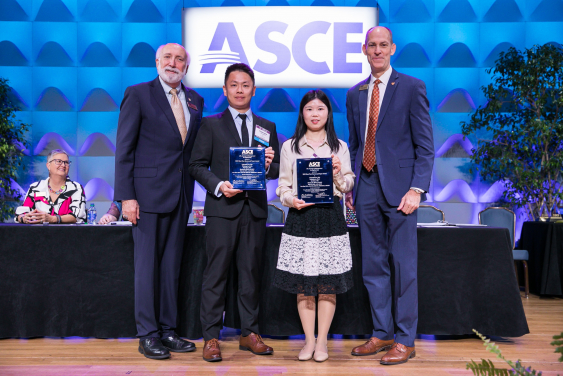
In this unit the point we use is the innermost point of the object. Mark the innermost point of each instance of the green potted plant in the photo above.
(519, 130)
(12, 143)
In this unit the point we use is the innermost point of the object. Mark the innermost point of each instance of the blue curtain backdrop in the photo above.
(69, 62)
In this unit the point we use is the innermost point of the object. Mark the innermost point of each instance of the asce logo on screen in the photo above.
(285, 46)
(227, 33)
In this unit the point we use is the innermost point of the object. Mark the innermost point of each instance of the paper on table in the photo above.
(120, 223)
(433, 224)
(469, 225)
(436, 226)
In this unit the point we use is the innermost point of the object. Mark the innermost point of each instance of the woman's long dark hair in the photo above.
(301, 127)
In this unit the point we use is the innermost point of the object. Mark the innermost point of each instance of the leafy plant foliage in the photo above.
(11, 146)
(487, 368)
(520, 129)
(559, 345)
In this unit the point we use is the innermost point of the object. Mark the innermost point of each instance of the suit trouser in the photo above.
(386, 231)
(159, 245)
(241, 237)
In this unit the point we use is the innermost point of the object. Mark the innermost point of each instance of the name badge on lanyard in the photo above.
(262, 135)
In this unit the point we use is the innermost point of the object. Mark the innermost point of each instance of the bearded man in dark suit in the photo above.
(158, 124)
(236, 219)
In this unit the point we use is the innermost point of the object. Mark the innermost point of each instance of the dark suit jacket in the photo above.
(210, 164)
(404, 139)
(150, 161)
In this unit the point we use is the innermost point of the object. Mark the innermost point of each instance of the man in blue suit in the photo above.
(157, 128)
(392, 151)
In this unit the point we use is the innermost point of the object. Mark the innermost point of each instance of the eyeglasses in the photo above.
(59, 162)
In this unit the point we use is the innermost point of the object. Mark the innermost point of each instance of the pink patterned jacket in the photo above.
(71, 201)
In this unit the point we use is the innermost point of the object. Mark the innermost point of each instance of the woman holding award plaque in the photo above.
(314, 258)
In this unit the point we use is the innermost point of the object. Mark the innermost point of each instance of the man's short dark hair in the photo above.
(241, 67)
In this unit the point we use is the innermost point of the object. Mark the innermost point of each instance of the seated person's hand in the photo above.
(107, 218)
(37, 216)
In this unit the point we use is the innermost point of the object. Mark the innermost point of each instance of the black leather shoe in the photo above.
(152, 348)
(176, 344)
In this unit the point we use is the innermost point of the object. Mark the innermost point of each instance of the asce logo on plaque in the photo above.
(285, 46)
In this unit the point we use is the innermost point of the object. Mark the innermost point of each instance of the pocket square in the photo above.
(191, 105)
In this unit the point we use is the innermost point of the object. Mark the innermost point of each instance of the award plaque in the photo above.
(314, 180)
(247, 168)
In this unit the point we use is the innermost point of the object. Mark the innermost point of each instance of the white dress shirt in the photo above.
(238, 123)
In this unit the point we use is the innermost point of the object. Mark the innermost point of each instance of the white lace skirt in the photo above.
(315, 256)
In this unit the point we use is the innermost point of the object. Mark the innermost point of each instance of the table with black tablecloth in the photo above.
(544, 243)
(78, 281)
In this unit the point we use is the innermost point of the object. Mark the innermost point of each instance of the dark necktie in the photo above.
(243, 130)
(369, 151)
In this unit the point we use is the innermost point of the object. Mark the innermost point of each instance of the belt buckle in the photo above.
(373, 169)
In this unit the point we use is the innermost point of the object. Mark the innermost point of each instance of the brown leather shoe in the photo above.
(398, 354)
(211, 351)
(255, 345)
(372, 347)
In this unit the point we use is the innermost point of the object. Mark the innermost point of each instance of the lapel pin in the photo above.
(364, 87)
(392, 83)
(189, 99)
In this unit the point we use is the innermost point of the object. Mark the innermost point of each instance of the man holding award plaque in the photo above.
(234, 153)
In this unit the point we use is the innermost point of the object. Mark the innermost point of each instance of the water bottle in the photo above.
(92, 215)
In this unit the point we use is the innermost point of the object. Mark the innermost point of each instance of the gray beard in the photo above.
(177, 77)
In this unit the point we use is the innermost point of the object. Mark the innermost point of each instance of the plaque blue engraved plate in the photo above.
(314, 180)
(247, 168)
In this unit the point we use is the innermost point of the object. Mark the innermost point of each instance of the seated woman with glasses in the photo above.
(56, 199)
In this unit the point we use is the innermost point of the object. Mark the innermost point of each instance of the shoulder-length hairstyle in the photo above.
(301, 127)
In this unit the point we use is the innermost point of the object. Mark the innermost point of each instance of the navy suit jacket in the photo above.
(210, 164)
(404, 139)
(151, 163)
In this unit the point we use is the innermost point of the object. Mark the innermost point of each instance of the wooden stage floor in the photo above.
(85, 356)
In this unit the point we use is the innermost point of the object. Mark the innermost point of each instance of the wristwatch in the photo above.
(418, 190)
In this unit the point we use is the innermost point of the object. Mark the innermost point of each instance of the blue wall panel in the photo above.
(21, 82)
(106, 33)
(18, 34)
(89, 123)
(107, 79)
(69, 62)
